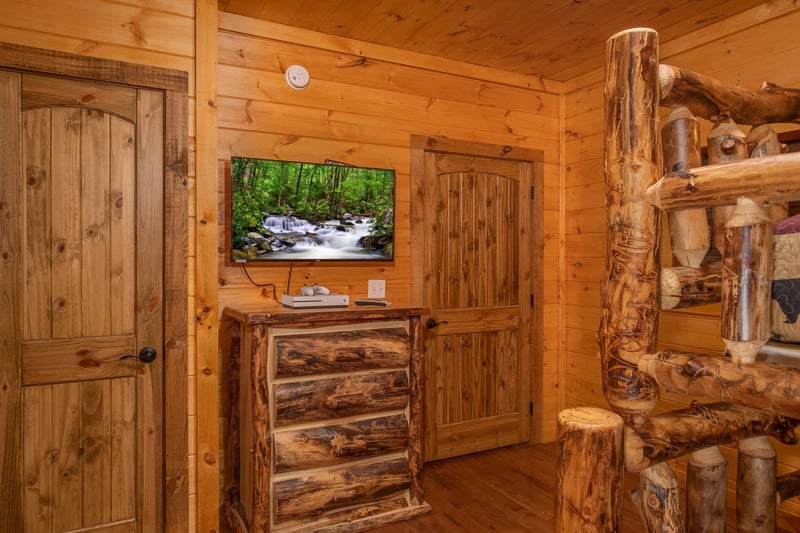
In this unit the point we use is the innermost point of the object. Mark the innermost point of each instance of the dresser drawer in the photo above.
(309, 495)
(299, 449)
(340, 351)
(324, 399)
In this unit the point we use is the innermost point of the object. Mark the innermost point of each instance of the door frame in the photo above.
(420, 144)
(174, 85)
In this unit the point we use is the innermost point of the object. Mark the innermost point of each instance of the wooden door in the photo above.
(477, 283)
(91, 295)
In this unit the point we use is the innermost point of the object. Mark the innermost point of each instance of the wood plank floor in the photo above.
(509, 489)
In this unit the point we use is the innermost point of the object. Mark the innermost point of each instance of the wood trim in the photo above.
(207, 267)
(10, 283)
(175, 404)
(26, 58)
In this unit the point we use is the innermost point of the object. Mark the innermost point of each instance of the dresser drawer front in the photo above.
(298, 449)
(340, 351)
(324, 399)
(308, 496)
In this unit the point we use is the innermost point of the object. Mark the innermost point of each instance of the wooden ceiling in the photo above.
(554, 39)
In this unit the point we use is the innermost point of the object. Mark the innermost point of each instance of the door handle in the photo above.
(431, 323)
(146, 355)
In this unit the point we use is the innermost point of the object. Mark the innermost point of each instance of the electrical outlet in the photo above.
(376, 288)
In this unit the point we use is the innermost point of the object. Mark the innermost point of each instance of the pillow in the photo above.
(786, 280)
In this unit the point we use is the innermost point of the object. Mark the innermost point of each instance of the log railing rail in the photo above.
(748, 402)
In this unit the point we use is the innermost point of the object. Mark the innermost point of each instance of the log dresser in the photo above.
(324, 418)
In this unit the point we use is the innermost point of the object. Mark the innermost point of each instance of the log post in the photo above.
(746, 281)
(688, 228)
(788, 486)
(756, 498)
(660, 501)
(762, 140)
(688, 287)
(629, 326)
(706, 489)
(589, 471)
(726, 143)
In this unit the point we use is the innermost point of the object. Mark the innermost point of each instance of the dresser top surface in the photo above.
(255, 314)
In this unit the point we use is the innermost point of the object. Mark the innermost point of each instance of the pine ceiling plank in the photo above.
(348, 15)
(466, 22)
(670, 24)
(312, 13)
(248, 8)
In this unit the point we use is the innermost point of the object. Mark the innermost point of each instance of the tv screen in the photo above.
(296, 211)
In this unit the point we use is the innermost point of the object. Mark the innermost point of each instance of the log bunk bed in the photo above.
(748, 400)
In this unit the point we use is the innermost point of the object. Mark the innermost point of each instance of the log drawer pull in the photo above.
(344, 355)
(344, 401)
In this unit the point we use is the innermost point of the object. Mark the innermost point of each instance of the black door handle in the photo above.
(146, 355)
(431, 323)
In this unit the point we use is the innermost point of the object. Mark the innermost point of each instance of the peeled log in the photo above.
(726, 143)
(688, 228)
(660, 500)
(589, 471)
(710, 99)
(628, 326)
(746, 281)
(706, 489)
(763, 140)
(688, 287)
(769, 387)
(670, 435)
(756, 499)
(765, 179)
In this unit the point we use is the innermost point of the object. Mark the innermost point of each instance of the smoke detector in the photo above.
(297, 77)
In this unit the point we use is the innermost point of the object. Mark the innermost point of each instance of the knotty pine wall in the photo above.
(759, 45)
(362, 106)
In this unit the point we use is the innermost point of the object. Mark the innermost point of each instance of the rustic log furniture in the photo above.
(324, 420)
(749, 400)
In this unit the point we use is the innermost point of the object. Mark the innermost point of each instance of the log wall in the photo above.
(745, 50)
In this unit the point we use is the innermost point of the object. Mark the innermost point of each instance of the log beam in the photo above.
(763, 179)
(670, 435)
(628, 326)
(770, 387)
(710, 99)
(688, 287)
(589, 471)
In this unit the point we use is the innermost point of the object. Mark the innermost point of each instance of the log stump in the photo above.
(706, 489)
(589, 472)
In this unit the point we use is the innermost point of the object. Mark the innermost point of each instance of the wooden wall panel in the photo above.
(744, 50)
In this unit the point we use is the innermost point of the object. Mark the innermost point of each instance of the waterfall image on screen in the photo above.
(293, 211)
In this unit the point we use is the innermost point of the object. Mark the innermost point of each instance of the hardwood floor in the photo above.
(509, 489)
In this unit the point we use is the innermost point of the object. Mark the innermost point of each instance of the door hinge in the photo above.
(531, 408)
(532, 192)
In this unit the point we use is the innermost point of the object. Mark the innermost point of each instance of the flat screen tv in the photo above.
(298, 211)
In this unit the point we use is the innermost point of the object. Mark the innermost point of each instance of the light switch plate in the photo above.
(376, 288)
